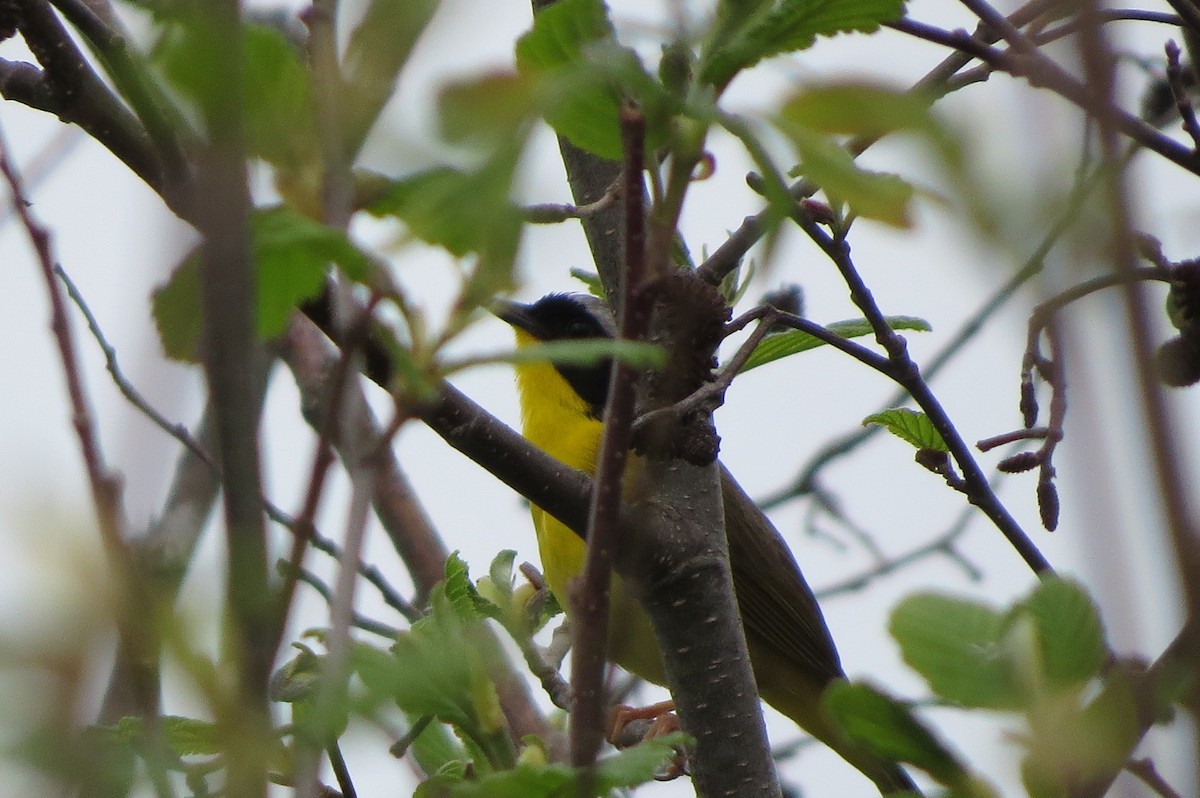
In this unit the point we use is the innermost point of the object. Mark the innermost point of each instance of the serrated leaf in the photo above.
(786, 26)
(889, 728)
(638, 354)
(956, 645)
(783, 344)
(457, 587)
(873, 195)
(378, 49)
(1069, 631)
(909, 425)
(462, 595)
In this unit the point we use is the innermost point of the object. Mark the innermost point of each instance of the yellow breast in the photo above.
(556, 420)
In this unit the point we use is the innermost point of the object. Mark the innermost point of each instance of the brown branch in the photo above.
(134, 600)
(308, 354)
(904, 370)
(1100, 71)
(1041, 72)
(590, 625)
(1183, 101)
(553, 213)
(133, 79)
(228, 302)
(105, 485)
(77, 94)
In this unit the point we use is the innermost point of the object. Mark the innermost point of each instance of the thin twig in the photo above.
(1183, 101)
(105, 484)
(341, 771)
(904, 370)
(553, 212)
(941, 544)
(1148, 774)
(181, 433)
(591, 608)
(105, 488)
(176, 430)
(327, 437)
(79, 95)
(323, 590)
(1045, 73)
(1173, 488)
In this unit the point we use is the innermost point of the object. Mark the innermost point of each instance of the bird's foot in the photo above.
(629, 726)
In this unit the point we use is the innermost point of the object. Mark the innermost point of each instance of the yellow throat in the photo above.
(556, 420)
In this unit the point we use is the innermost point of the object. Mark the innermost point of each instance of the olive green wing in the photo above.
(778, 607)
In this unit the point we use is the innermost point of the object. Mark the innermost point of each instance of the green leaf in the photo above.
(560, 33)
(583, 76)
(436, 672)
(292, 254)
(874, 195)
(175, 306)
(782, 344)
(591, 280)
(280, 122)
(890, 729)
(638, 354)
(1108, 729)
(501, 571)
(465, 212)
(909, 425)
(629, 768)
(184, 736)
(956, 645)
(637, 765)
(436, 749)
(488, 109)
(858, 109)
(378, 49)
(786, 26)
(1068, 747)
(523, 781)
(462, 595)
(1069, 632)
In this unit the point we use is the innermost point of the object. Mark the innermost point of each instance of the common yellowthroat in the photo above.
(791, 650)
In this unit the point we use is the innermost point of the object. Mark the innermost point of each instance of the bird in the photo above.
(791, 649)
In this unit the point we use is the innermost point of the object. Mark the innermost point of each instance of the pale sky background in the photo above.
(118, 242)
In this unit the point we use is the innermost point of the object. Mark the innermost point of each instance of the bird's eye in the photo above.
(579, 329)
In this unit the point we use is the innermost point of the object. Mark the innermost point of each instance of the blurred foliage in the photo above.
(433, 686)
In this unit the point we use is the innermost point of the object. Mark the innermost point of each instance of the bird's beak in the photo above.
(515, 313)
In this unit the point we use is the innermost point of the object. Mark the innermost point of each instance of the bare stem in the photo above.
(590, 623)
